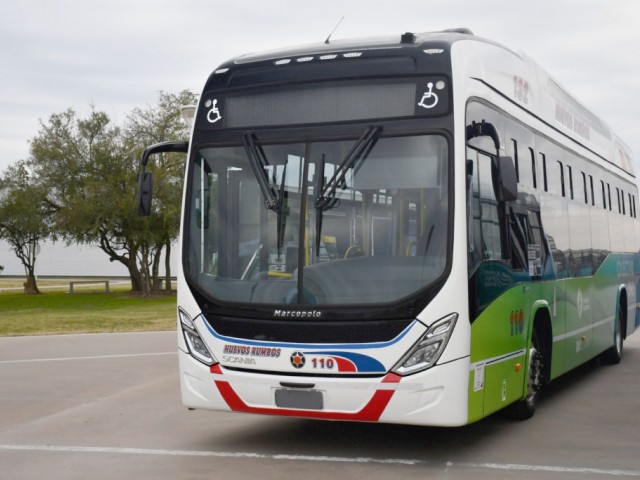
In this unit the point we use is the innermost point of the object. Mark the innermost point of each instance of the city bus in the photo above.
(420, 229)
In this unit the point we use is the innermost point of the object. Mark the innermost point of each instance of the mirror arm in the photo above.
(163, 147)
(483, 129)
(145, 181)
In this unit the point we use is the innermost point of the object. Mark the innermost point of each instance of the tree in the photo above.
(24, 221)
(89, 170)
(89, 182)
(146, 127)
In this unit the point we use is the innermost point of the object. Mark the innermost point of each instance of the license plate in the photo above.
(299, 399)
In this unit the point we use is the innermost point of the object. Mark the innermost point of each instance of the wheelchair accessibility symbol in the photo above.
(429, 98)
(213, 115)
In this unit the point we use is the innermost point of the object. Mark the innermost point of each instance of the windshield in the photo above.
(352, 222)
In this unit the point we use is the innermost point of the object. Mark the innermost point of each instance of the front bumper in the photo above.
(437, 396)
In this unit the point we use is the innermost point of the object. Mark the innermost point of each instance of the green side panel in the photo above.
(476, 401)
(573, 315)
(504, 384)
(585, 312)
(494, 332)
(581, 312)
(498, 344)
(500, 338)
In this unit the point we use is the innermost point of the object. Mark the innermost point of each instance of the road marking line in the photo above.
(513, 467)
(202, 453)
(94, 334)
(95, 357)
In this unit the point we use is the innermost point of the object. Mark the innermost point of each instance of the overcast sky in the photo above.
(118, 54)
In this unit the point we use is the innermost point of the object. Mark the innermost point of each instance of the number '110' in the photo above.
(327, 363)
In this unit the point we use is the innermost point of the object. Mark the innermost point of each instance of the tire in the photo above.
(525, 408)
(613, 355)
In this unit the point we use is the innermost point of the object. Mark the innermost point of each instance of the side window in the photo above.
(529, 251)
(538, 241)
(488, 275)
(489, 219)
(485, 236)
(520, 238)
(523, 157)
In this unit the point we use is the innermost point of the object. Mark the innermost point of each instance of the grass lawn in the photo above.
(57, 312)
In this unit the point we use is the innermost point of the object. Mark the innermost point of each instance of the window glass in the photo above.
(267, 219)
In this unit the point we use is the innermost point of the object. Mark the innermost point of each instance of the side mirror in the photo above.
(145, 194)
(505, 182)
(145, 182)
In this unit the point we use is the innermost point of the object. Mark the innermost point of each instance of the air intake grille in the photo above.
(309, 332)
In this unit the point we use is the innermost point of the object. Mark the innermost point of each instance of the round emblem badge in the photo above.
(297, 359)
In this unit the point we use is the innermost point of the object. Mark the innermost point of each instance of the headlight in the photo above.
(426, 352)
(197, 347)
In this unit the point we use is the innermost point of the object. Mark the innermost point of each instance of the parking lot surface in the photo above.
(107, 406)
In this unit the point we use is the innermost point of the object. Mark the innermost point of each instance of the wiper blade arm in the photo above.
(318, 187)
(259, 163)
(273, 199)
(327, 196)
(282, 213)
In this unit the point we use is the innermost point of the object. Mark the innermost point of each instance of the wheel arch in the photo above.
(622, 303)
(541, 323)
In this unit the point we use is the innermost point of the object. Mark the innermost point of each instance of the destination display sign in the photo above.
(325, 103)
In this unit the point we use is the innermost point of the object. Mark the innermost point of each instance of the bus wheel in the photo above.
(525, 408)
(613, 355)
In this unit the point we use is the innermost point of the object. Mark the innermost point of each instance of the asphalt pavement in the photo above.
(107, 406)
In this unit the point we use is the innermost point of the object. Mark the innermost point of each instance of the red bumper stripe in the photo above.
(370, 413)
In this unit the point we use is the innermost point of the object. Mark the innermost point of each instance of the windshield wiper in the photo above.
(326, 198)
(259, 163)
(273, 200)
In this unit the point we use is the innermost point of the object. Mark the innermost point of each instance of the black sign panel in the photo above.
(325, 103)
